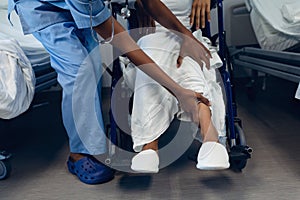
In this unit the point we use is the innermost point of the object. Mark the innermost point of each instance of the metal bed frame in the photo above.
(281, 64)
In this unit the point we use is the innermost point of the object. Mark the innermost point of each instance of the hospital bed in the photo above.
(276, 25)
(44, 75)
(239, 151)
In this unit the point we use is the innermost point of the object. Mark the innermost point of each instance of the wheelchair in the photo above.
(238, 150)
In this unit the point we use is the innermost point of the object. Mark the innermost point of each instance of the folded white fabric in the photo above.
(17, 80)
(146, 161)
(212, 156)
(291, 11)
(129, 69)
(129, 72)
(215, 61)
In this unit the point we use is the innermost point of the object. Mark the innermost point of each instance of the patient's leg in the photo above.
(208, 131)
(212, 155)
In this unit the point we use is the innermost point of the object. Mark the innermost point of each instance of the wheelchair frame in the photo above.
(238, 150)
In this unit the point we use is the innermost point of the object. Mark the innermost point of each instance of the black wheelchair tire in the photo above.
(5, 169)
(239, 164)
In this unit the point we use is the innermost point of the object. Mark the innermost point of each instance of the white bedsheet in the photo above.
(297, 95)
(271, 12)
(19, 54)
(17, 81)
(32, 48)
(291, 11)
(273, 31)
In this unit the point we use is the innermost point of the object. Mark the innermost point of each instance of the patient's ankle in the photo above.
(210, 138)
(152, 145)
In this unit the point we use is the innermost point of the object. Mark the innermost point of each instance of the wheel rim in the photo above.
(3, 170)
(240, 136)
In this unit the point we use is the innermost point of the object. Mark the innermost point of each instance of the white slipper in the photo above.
(146, 161)
(212, 156)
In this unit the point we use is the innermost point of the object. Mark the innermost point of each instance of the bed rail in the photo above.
(285, 65)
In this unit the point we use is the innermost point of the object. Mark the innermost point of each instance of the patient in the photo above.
(154, 107)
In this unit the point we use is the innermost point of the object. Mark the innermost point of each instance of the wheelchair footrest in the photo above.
(240, 152)
(238, 157)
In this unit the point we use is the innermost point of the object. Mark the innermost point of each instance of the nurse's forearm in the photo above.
(162, 14)
(128, 46)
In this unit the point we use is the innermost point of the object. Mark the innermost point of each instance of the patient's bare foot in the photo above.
(152, 145)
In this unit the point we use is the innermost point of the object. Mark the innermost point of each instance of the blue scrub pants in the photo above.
(76, 58)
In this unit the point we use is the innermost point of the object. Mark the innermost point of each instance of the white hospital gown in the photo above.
(154, 107)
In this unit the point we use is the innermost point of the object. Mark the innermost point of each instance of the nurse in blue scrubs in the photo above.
(64, 28)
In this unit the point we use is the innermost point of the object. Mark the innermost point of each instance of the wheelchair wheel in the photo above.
(240, 152)
(5, 169)
(240, 135)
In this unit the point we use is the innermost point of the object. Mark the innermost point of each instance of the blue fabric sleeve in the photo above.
(38, 14)
(80, 10)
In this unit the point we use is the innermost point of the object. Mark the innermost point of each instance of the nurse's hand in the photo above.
(200, 13)
(189, 100)
(193, 48)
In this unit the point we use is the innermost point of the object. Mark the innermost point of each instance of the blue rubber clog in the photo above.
(90, 171)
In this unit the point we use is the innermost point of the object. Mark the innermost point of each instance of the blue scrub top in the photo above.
(42, 13)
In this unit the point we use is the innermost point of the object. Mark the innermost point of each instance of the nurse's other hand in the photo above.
(193, 48)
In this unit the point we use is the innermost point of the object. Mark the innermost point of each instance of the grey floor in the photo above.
(271, 123)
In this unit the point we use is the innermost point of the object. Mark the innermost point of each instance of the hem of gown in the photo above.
(137, 146)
